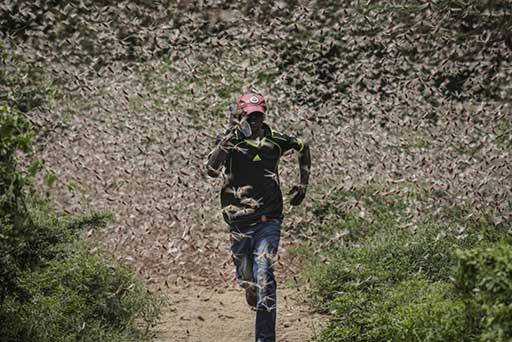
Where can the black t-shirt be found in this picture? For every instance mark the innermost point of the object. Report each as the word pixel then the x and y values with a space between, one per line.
pixel 251 188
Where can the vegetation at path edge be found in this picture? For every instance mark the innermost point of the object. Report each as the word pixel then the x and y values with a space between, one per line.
pixel 382 279
pixel 54 286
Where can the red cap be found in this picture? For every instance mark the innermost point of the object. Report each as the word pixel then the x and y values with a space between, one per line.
pixel 250 103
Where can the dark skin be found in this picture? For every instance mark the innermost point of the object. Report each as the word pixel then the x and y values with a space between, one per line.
pixel 256 120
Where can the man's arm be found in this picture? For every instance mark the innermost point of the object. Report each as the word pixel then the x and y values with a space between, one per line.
pixel 304 165
pixel 218 156
pixel 305 169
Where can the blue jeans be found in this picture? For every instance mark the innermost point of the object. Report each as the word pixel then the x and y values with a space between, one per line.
pixel 254 251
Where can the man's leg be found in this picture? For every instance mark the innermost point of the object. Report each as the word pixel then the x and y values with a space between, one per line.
pixel 266 242
pixel 241 249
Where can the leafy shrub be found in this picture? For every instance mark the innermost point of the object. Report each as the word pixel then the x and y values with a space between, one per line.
pixel 82 297
pixel 379 247
pixel 484 277
pixel 359 213
pixel 18 245
pixel 51 287
pixel 393 281
pixel 386 258
pixel 413 310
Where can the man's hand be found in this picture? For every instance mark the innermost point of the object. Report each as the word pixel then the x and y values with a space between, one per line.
pixel 226 140
pixel 300 193
pixel 234 116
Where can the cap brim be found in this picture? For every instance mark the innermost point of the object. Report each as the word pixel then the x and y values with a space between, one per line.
pixel 252 109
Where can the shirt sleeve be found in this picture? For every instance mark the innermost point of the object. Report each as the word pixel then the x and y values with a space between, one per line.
pixel 287 142
pixel 218 138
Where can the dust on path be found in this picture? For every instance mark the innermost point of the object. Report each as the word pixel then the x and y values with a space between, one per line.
pixel 212 308
pixel 203 314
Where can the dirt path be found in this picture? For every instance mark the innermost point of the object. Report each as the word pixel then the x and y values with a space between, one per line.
pixel 202 310
pixel 169 229
pixel 143 167
pixel 201 313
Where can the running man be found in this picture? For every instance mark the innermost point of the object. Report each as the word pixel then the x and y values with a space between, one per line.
pixel 252 202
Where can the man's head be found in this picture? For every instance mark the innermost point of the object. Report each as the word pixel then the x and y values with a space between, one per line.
pixel 252 106
pixel 249 103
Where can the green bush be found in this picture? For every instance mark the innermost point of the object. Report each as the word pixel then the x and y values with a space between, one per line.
pixel 52 288
pixel 390 281
pixel 484 278
pixel 335 213
pixel 379 249
pixel 19 247
pixel 83 297
pixel 413 310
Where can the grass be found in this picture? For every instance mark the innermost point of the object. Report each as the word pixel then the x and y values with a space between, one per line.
pixel 83 297
pixel 54 286
pixel 382 279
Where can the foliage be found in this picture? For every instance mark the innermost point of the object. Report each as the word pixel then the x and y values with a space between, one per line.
pixel 52 288
pixel 19 247
pixel 484 278
pixel 413 310
pixel 82 297
pixel 383 280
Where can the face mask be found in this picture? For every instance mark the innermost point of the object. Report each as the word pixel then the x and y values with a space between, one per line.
pixel 245 128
